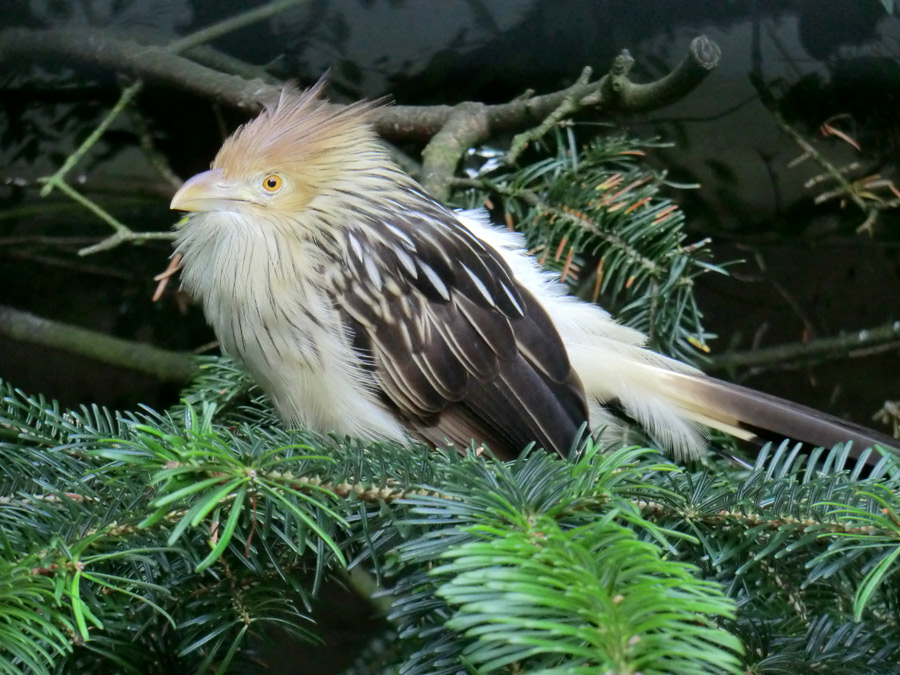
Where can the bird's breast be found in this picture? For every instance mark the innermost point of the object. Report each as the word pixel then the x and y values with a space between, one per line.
pixel 270 304
pixel 262 291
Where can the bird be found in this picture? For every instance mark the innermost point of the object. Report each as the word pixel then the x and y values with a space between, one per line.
pixel 362 306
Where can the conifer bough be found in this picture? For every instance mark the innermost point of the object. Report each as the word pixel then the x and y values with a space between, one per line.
pixel 362 306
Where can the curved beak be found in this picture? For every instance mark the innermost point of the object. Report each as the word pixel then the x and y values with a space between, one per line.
pixel 208 191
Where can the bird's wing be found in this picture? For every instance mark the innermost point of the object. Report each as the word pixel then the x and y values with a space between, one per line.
pixel 455 344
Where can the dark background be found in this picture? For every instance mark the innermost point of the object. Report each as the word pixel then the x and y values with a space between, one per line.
pixel 806 272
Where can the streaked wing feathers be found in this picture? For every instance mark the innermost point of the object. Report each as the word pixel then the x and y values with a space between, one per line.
pixel 458 348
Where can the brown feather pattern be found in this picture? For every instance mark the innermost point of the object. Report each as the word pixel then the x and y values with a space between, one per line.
pixel 458 347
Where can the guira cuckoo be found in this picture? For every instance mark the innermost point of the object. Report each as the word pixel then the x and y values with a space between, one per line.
pixel 363 306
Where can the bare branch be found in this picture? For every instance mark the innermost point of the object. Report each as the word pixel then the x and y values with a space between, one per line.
pixel 139 357
pixel 624 95
pixel 451 130
pixel 801 354
pixel 466 126
pixel 469 124
pixel 96 49
pixel 124 236
pixel 569 105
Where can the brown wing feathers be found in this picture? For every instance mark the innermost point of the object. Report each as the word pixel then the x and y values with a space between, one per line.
pixel 458 347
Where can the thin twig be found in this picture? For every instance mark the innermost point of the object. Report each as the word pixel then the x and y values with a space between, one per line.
pixel 845 187
pixel 58 178
pixel 232 24
pixel 122 237
pixel 90 205
pixel 569 105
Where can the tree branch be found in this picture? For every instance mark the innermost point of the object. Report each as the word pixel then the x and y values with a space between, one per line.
pixel 123 236
pixel 469 124
pixel 801 354
pixel 568 106
pixel 466 126
pixel 702 57
pixel 97 50
pixel 164 365
pixel 451 130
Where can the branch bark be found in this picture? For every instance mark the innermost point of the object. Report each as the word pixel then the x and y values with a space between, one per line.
pixel 802 354
pixel 95 49
pixel 164 365
pixel 466 126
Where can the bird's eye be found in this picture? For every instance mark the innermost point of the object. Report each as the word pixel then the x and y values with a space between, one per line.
pixel 272 183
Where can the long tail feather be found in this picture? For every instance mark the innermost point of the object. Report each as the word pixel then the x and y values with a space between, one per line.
pixel 749 414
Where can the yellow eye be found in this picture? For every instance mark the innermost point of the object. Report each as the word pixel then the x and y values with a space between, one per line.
pixel 272 183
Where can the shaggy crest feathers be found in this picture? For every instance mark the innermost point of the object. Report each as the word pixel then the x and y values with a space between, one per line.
pixel 303 135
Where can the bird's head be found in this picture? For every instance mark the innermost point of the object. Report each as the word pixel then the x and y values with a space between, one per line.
pixel 283 159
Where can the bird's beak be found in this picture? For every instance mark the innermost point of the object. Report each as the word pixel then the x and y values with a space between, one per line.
pixel 208 191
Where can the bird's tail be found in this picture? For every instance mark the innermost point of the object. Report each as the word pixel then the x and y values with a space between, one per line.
pixel 668 397
pixel 750 414
pixel 672 401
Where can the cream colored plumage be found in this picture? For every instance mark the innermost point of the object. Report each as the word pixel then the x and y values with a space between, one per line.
pixel 361 306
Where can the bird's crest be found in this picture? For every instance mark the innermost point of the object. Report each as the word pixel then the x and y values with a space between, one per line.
pixel 301 133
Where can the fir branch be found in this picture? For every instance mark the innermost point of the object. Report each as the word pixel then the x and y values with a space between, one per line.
pixel 594 214
pixel 527 502
pixel 595 596
pixel 792 539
